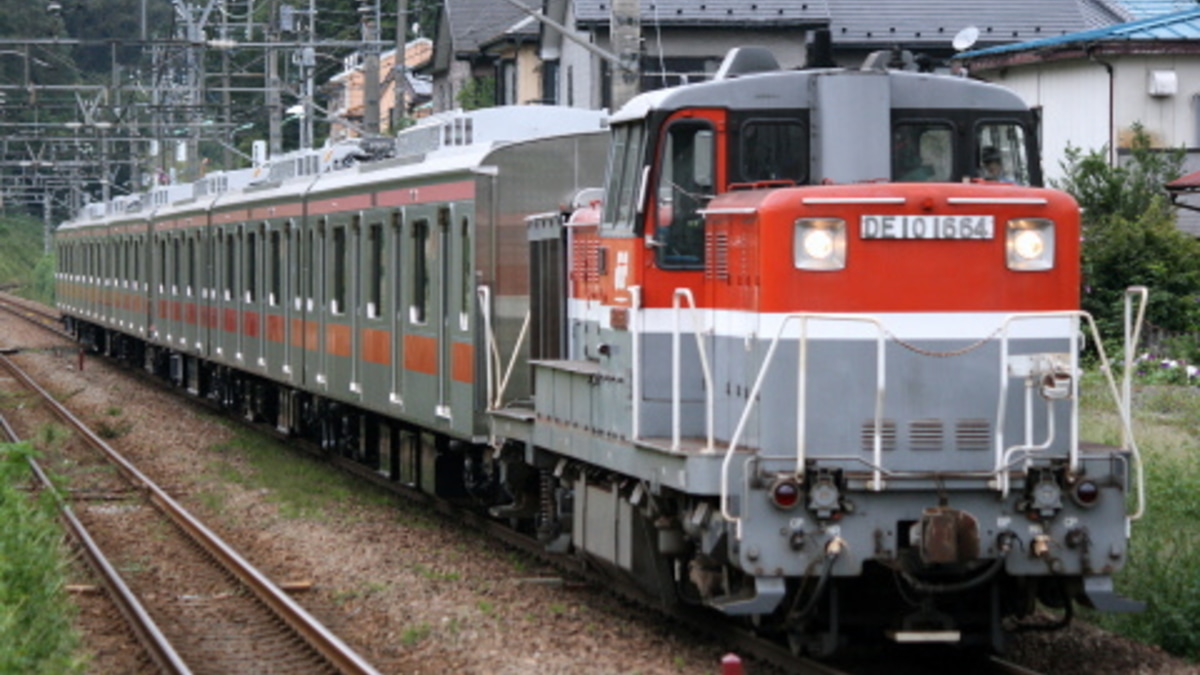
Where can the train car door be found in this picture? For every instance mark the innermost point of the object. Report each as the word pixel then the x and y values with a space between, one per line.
pixel 688 171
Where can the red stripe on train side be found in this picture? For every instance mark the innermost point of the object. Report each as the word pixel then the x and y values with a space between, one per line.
pixel 462 362
pixel 377 346
pixel 275 328
pixel 420 354
pixel 250 323
pixel 422 194
pixel 337 339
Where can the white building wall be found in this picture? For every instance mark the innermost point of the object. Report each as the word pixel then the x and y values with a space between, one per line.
pixel 1171 119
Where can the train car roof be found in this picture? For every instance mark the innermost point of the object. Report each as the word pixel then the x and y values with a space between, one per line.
pixel 790 89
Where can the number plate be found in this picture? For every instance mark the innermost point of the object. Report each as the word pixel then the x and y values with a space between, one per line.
pixel 926 227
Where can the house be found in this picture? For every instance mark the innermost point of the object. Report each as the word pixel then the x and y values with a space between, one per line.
pixel 928 28
pixel 1094 86
pixel 680 41
pixel 347 89
pixel 484 50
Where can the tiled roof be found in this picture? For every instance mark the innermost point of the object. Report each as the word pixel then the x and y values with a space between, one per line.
pixel 1144 9
pixel 938 21
pixel 713 12
pixel 475 22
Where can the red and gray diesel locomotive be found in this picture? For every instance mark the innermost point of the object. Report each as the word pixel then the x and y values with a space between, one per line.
pixel 800 347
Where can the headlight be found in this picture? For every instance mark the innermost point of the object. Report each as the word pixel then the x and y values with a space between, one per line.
pixel 1030 244
pixel 820 244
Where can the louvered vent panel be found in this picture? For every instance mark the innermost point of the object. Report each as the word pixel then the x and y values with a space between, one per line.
pixel 973 434
pixel 926 435
pixel 888 435
pixel 717 256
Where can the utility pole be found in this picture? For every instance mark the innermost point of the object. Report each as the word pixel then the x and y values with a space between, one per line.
pixel 274 109
pixel 370 27
pixel 399 67
pixel 626 32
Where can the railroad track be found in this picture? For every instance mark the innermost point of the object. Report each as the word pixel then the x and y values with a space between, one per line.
pixel 196 604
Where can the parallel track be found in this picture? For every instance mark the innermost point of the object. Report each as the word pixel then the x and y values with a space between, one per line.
pixel 325 651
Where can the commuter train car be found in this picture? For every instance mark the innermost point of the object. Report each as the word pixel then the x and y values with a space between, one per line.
pixel 806 352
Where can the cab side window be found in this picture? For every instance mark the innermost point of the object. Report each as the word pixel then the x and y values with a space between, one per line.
pixel 684 187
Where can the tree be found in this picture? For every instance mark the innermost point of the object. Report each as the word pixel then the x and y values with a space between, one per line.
pixel 1130 237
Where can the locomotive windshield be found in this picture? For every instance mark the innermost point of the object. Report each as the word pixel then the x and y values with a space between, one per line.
pixel 624 176
pixel 934 152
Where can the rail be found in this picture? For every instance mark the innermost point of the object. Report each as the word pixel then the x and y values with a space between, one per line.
pixel 319 637
pixel 1005 456
pixel 157 646
pixel 496 373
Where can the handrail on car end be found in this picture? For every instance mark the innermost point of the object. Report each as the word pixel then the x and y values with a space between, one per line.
pixel 802 384
pixel 1106 368
pixel 1133 335
pixel 492 351
pixel 676 387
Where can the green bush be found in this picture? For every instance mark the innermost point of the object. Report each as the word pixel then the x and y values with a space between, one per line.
pixel 36 632
pixel 1130 237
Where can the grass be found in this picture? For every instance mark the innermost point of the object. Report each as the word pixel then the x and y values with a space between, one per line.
pixel 24 266
pixel 1164 561
pixel 302 486
pixel 36 633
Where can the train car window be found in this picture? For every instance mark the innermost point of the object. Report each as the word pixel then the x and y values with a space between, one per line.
pixel 191 266
pixel 230 265
pixel 177 265
pixel 308 271
pixel 162 265
pixel 624 176
pixel 374 270
pixel 1000 148
pixel 338 304
pixel 468 273
pixel 685 184
pixel 276 271
pixel 251 266
pixel 773 150
pixel 922 152
pixel 420 271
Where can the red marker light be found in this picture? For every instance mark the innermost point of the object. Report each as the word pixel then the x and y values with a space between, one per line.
pixel 785 493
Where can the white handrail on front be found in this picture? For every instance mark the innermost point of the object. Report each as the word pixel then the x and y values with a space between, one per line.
pixel 676 387
pixel 876 483
pixel 1133 334
pixel 1122 403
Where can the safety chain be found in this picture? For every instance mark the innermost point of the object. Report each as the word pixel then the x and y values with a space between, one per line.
pixel 943 355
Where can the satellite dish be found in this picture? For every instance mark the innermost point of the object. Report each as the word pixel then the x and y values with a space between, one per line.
pixel 966 38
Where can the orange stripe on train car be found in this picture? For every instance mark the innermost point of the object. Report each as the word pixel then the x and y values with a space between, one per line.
pixel 420 354
pixel 337 339
pixel 377 346
pixel 250 323
pixel 231 320
pixel 275 328
pixel 462 362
